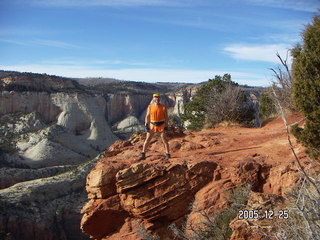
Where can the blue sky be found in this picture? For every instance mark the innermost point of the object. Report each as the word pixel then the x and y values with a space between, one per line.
pixel 151 40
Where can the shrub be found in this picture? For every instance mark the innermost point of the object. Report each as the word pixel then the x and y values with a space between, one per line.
pixel 145 234
pixel 173 120
pixel 220 99
pixel 229 105
pixel 304 212
pixel 267 107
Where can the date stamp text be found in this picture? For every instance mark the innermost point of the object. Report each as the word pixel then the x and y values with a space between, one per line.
pixel 267 214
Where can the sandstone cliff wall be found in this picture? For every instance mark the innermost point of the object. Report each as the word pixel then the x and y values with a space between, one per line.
pixel 27 102
pixel 119 106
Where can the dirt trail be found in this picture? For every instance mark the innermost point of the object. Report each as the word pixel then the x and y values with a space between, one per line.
pixel 227 144
pixel 230 145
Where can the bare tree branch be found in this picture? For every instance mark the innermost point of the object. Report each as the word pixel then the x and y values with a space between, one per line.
pixel 290 143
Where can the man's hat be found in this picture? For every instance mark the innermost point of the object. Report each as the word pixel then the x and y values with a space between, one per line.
pixel 156 95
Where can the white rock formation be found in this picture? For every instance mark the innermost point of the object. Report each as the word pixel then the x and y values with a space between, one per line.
pixel 80 129
pixel 130 124
pixel 84 116
pixel 49 153
pixel 179 106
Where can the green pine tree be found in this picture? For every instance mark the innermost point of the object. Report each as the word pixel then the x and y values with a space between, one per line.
pixel 306 86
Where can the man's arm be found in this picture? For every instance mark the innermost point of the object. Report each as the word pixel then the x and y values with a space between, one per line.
pixel 147 118
pixel 166 118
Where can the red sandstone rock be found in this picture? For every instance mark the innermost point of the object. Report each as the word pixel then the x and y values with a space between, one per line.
pixel 102 179
pixel 154 193
pixel 102 217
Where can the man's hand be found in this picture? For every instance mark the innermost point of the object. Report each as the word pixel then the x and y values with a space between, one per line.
pixel 147 127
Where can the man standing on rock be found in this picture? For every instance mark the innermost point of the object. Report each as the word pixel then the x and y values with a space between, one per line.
pixel 156 121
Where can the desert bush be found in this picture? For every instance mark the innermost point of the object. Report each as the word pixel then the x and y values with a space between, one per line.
pixel 145 234
pixel 196 110
pixel 304 221
pixel 229 105
pixel 174 121
pixel 304 211
pixel 216 226
pixel 220 99
pixel 267 105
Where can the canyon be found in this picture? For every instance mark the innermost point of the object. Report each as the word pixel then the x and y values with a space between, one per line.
pixel 61 141
pixel 76 123
pixel 52 132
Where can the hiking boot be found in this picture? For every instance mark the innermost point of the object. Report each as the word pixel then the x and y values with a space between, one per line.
pixel 167 156
pixel 142 156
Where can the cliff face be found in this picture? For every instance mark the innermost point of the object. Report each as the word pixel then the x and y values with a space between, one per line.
pixel 75 126
pixel 27 102
pixel 180 98
pixel 128 199
pixel 76 122
pixel 120 106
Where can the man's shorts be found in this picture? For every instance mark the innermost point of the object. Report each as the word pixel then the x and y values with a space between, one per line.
pixel 157 127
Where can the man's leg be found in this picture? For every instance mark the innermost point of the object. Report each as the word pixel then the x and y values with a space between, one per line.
pixel 146 143
pixel 166 144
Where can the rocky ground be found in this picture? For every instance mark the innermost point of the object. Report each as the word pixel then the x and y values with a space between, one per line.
pixel 127 195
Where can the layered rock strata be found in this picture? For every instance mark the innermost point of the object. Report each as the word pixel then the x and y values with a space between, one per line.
pixel 156 193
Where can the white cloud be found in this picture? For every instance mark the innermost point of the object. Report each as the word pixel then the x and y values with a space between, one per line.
pixel 292 38
pixel 43 42
pixel 113 3
pixel 300 5
pixel 11 41
pixel 53 43
pixel 104 63
pixel 265 53
pixel 139 74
